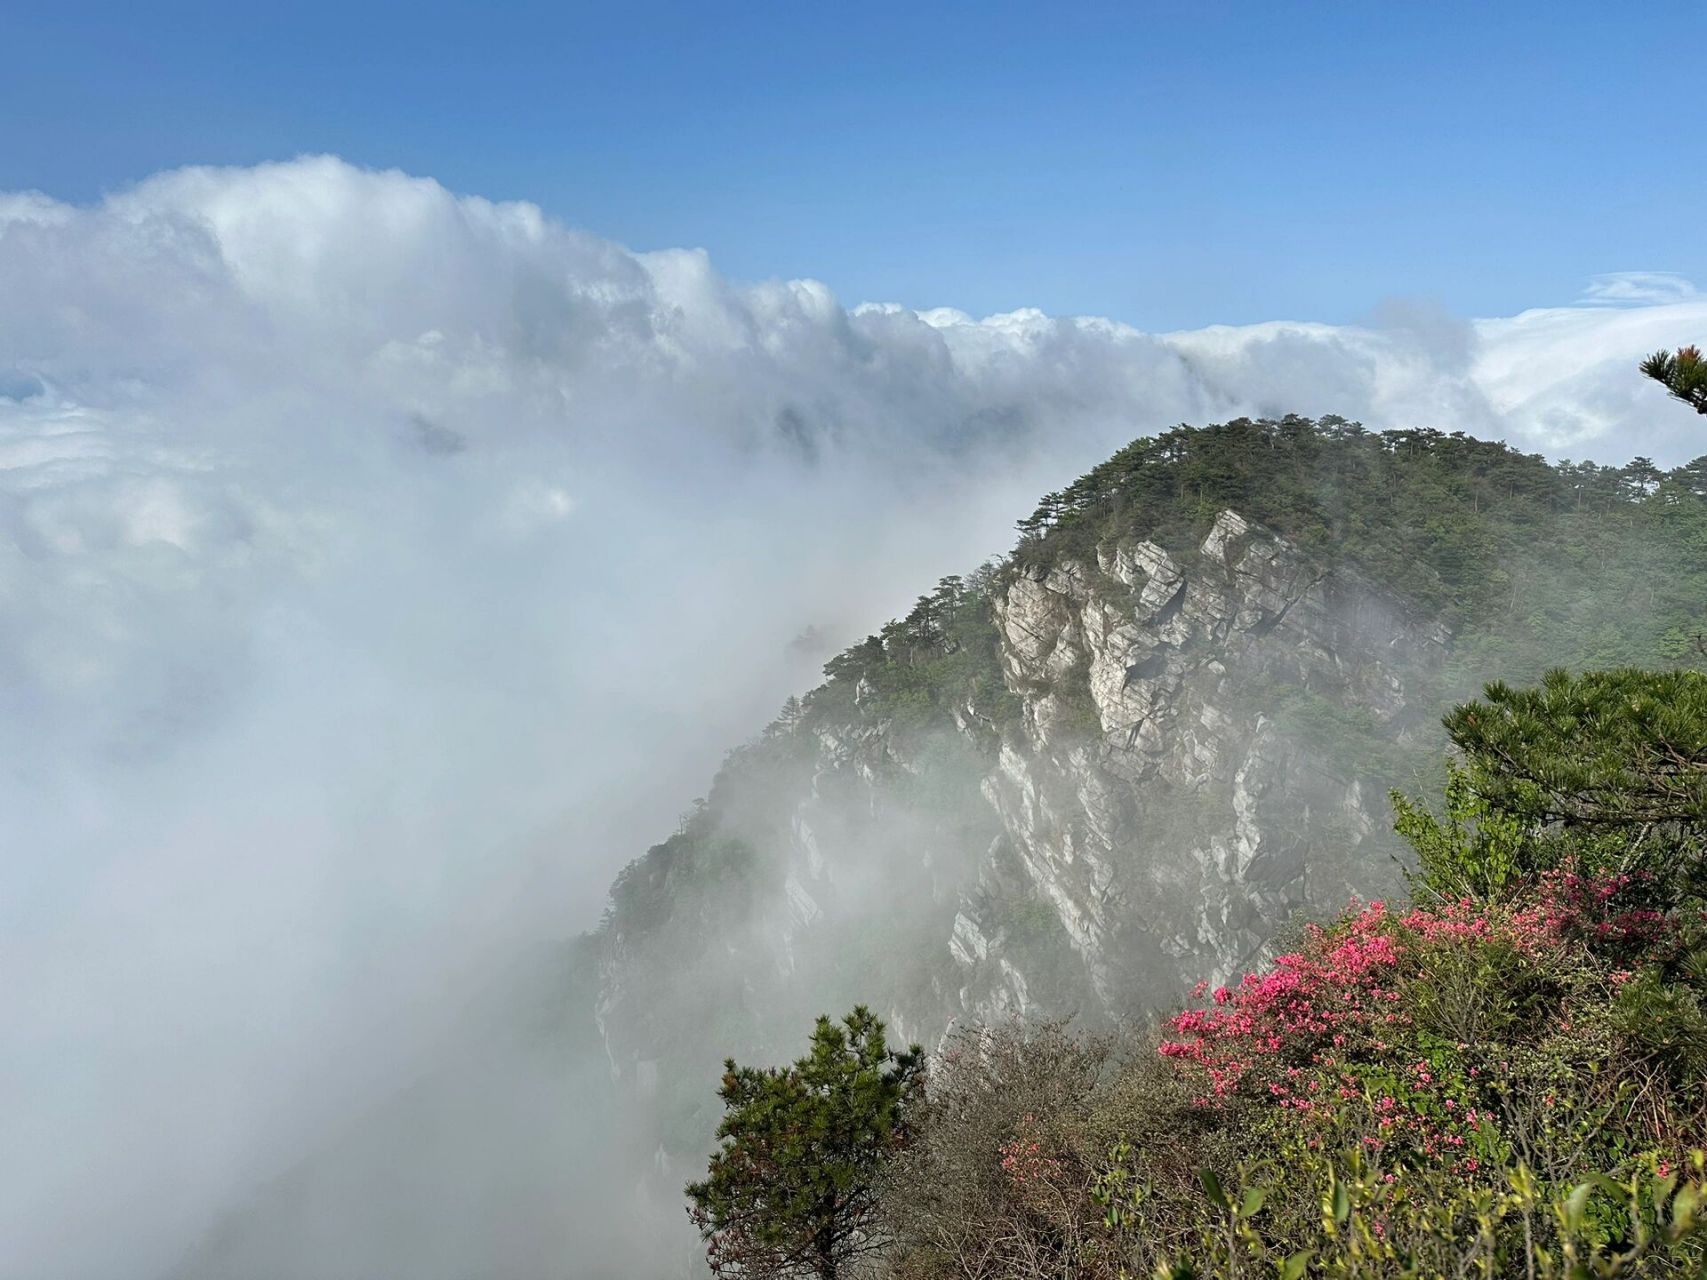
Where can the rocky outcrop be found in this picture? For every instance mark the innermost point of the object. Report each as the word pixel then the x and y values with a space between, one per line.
pixel 1155 793
pixel 1194 745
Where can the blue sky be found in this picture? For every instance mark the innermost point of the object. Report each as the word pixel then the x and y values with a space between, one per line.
pixel 1170 165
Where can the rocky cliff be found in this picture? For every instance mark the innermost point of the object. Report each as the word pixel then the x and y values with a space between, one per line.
pixel 1176 838
pixel 1136 808
pixel 1078 781
pixel 1119 761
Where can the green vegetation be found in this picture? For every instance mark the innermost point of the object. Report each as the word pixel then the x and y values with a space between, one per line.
pixel 1682 373
pixel 1505 1077
pixel 792 1189
pixel 1527 563
pixel 1487 539
pixel 1610 748
pixel 725 937
pixel 920 669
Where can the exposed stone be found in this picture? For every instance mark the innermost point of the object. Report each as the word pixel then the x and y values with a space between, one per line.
pixel 1148 812
pixel 967 943
pixel 1154 662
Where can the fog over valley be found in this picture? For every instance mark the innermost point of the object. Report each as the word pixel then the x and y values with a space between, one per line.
pixel 383 568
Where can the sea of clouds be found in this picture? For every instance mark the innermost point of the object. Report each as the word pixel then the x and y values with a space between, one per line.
pixel 381 567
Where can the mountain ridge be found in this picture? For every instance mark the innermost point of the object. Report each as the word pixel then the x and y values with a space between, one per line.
pixel 1120 759
pixel 1071 783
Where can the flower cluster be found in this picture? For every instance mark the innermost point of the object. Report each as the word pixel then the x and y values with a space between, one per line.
pixel 1329 1036
pixel 1341 990
pixel 1339 986
pixel 1605 911
pixel 1025 1160
pixel 1530 931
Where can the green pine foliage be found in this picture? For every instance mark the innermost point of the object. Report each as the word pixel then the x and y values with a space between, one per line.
pixel 792 1189
pixel 1605 748
pixel 1682 373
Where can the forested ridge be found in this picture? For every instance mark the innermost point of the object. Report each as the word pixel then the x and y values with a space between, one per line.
pixel 1523 560
pixel 1529 564
pixel 1518 565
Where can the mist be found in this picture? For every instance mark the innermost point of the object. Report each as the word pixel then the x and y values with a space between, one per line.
pixel 383 568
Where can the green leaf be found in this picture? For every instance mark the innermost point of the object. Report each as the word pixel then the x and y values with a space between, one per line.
pixel 1686 1207
pixel 1576 1204
pixel 1212 1189
pixel 1662 1189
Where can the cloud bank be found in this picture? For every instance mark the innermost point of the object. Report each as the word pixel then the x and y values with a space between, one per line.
pixel 381 567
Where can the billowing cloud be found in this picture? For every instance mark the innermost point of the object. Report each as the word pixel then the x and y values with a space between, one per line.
pixel 380 567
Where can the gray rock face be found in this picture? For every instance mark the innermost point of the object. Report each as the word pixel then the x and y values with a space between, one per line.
pixel 1170 781
pixel 1172 822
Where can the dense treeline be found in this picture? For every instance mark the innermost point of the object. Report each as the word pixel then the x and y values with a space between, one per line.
pixel 1469 530
pixel 1528 563
pixel 1505 1076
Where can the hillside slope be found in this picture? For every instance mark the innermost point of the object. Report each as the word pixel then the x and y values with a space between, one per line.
pixel 1074 782
pixel 1117 761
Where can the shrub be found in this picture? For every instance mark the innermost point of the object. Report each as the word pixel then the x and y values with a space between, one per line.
pixel 996 1182
pixel 1508 1076
pixel 1376 1225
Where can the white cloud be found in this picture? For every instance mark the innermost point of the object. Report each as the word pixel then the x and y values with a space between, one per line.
pixel 1641 287
pixel 356 537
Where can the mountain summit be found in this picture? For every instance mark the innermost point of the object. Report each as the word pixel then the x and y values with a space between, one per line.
pixel 1119 760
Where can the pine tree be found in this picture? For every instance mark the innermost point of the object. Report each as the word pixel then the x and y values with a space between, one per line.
pixel 1623 748
pixel 791 1191
pixel 1683 374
